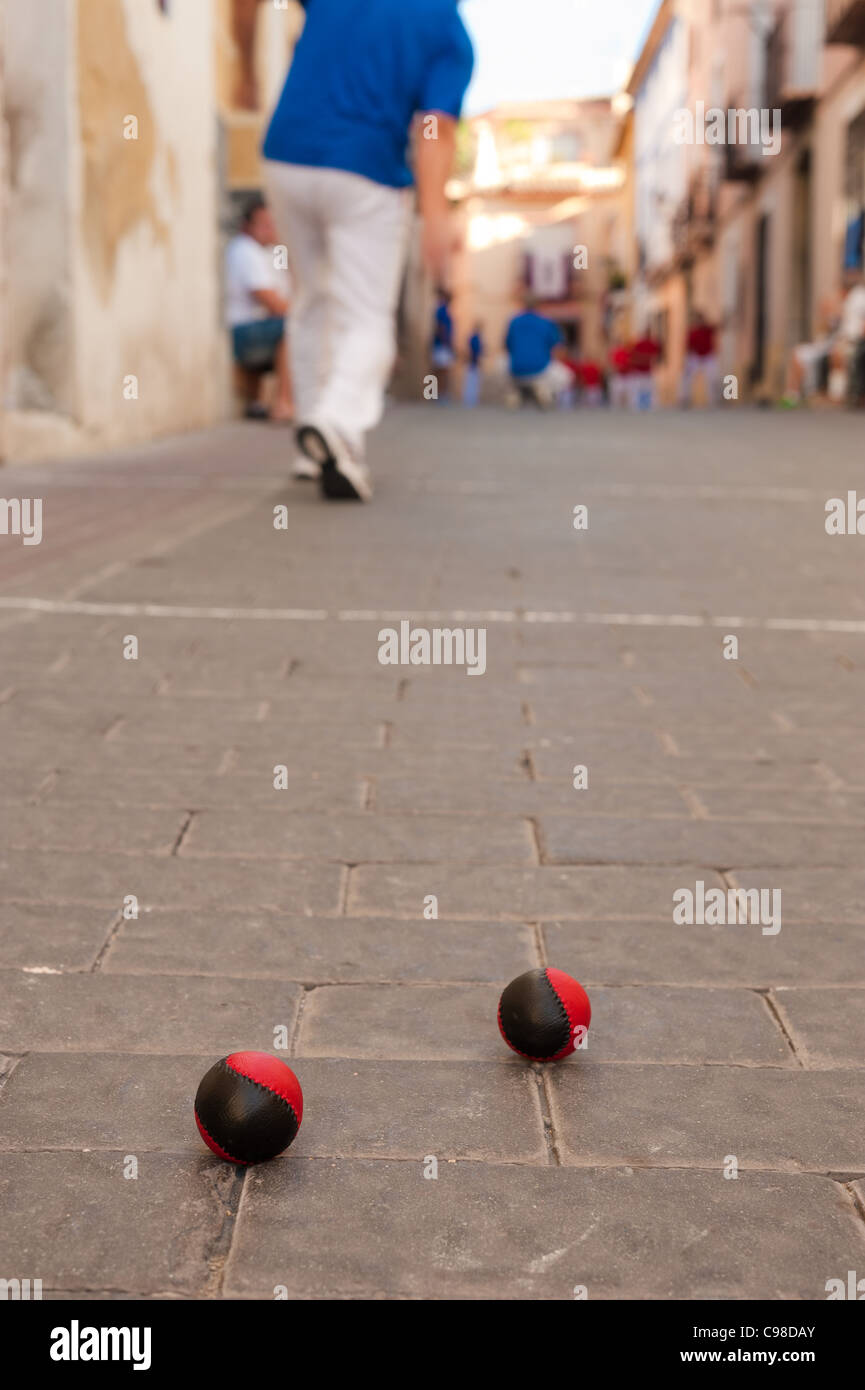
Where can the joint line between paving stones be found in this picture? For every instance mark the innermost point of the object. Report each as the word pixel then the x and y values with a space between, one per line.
pixel 858 1204
pixel 182 833
pixel 306 991
pixel 775 1011
pixel 219 1248
pixel 114 928
pixel 554 1159
pixel 345 884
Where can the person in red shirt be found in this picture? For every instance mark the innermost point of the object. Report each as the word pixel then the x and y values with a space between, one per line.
pixel 620 370
pixel 591 382
pixel 701 359
pixel 644 353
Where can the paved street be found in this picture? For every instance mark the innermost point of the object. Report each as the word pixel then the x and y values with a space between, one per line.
pixel 293 920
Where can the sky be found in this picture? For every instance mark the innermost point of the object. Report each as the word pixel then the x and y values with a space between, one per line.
pixel 534 49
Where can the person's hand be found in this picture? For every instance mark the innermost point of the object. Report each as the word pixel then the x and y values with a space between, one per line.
pixel 438 243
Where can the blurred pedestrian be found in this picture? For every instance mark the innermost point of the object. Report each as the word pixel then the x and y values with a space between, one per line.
pixel 618 379
pixel 591 380
pixel 643 355
pixel 701 359
pixel 442 353
pixel 256 303
pixel 810 367
pixel 474 361
pixel 339 181
pixel 530 343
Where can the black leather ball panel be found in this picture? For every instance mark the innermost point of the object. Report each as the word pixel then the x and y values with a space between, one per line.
pixel 532 1016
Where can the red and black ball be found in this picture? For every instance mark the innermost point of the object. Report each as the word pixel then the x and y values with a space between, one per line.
pixel 541 1014
pixel 248 1107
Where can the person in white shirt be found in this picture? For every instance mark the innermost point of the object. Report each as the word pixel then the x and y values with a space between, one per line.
pixel 256 303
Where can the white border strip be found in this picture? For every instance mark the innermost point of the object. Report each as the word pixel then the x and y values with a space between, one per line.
pixel 369 615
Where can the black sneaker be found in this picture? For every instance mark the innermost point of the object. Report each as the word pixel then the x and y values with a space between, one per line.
pixel 343 477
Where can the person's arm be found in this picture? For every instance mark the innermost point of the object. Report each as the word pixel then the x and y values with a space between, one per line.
pixel 434 158
pixel 272 301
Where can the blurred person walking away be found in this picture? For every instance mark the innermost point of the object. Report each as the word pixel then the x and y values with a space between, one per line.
pixel 618 379
pixel 701 359
pixel 530 343
pixel 256 304
pixel 474 359
pixel 340 187
pixel 643 355
pixel 443 355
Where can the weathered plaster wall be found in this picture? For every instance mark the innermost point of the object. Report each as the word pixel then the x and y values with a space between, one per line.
pixel 39 387
pixel 147 272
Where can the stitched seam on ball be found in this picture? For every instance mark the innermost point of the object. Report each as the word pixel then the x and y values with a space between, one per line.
pixel 221 1147
pixel 561 1003
pixel 241 1076
pixel 571 1024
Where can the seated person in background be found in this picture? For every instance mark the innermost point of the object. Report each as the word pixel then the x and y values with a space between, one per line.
pixel 809 368
pixel 256 306
pixel 530 343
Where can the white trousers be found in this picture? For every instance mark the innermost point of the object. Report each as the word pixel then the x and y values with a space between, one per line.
pixel 346 238
pixel 694 367
pixel 641 387
pixel 620 391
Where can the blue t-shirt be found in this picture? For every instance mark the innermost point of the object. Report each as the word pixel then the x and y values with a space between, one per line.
pixel 530 343
pixel 476 349
pixel 443 330
pixel 361 71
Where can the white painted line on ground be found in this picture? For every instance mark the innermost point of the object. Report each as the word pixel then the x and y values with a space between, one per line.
pixel 371 615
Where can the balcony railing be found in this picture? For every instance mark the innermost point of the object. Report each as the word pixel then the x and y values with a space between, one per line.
pixel 845 22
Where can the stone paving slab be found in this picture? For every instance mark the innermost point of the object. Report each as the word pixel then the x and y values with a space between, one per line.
pixel 696 1116
pixel 458 1022
pixel 93 827
pixel 517 894
pixel 361 838
pixel 88 1013
pixel 536 1233
pixel 617 840
pixel 502 797
pixel 828 1025
pixel 62 937
pixel 196 790
pixel 319 949
pixel 105 880
pixel 811 894
pixel 141 1104
pixel 812 805
pixel 77 1223
pixel 625 952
